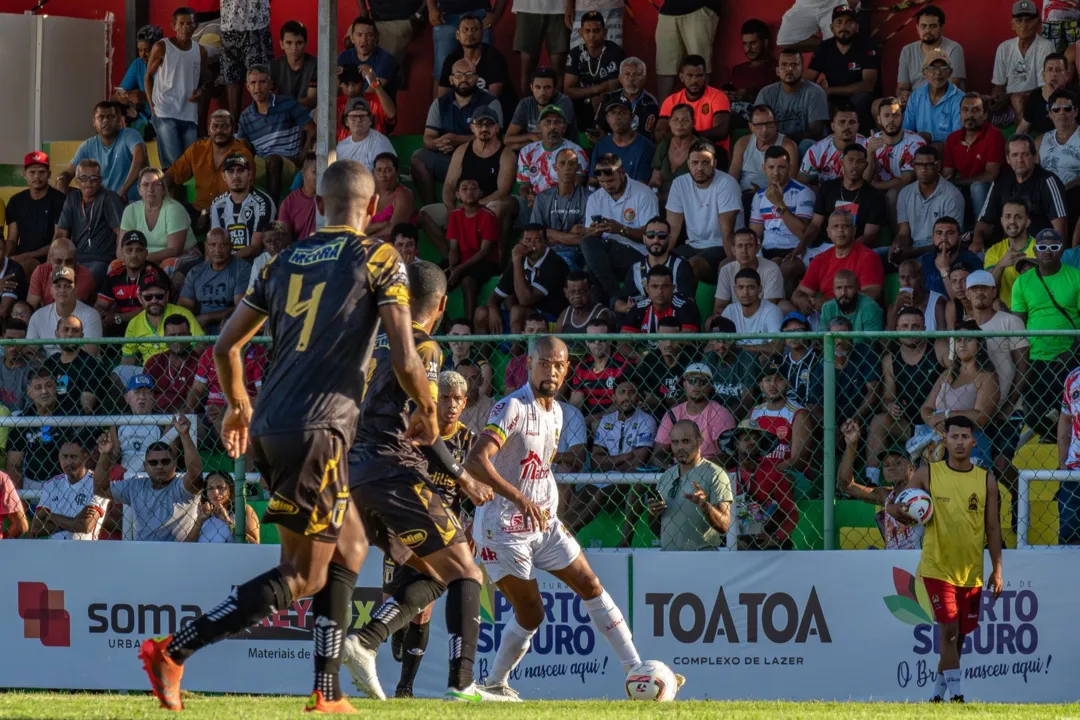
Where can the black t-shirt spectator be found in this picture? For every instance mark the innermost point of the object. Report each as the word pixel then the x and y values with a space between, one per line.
pixel 548 276
pixel 643 317
pixel 662 380
pixel 867 205
pixel 1037 113
pixel 646 112
pixel 593 71
pixel 1043 193
pixel 294 83
pixel 40 447
pixel 123 290
pixel 491 70
pixel 842 69
pixel 36 219
pixel 685 7
pixel 390 10
pixel 83 374
pixel 636 275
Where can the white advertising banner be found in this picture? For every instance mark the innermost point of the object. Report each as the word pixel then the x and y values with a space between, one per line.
pixel 850 625
pixel 74 614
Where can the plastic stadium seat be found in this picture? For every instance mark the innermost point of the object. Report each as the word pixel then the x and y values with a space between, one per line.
pixel 859 538
pixel 605 531
pixel 809 533
pixel 704 298
pixel 61 151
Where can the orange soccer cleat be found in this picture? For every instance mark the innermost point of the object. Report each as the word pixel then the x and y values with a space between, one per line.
pixel 317 703
pixel 164 674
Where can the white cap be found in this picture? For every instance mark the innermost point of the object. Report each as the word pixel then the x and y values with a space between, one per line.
pixel 981 278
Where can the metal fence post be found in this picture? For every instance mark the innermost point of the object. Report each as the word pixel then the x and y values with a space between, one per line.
pixel 829 441
pixel 240 500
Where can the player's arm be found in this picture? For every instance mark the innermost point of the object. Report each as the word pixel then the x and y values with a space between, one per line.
pixel 410 371
pixel 441 460
pixel 478 464
pixel 234 337
pixel 899 511
pixel 993 535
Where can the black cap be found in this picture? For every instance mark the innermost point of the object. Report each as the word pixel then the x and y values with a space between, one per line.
pixel 843 10
pixel 357 103
pixel 133 236
pixel 722 325
pixel 770 369
pixel 350 74
pixel 236 160
pixel 618 102
pixel 153 280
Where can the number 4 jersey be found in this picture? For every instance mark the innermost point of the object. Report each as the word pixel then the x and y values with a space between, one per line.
pixel 322 296
pixel 528 437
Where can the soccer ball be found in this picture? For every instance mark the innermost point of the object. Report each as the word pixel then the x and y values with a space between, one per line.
pixel 919 504
pixel 652 680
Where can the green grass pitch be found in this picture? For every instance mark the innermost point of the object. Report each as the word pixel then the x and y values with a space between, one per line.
pixel 85 706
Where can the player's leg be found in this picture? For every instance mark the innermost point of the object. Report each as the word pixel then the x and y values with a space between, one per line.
pixel 332 609
pixel 523 594
pixel 561 555
pixel 413 646
pixel 943 598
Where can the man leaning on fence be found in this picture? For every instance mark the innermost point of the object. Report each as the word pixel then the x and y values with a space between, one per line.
pixel 690 508
pixel 164 501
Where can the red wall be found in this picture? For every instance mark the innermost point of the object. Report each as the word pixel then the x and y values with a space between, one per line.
pixel 978 26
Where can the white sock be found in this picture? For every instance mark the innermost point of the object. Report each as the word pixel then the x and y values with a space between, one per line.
pixel 940 688
pixel 952 680
pixel 608 619
pixel 512 648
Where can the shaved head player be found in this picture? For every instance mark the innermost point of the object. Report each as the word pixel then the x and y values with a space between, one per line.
pixel 518 532
pixel 965 520
pixel 324 297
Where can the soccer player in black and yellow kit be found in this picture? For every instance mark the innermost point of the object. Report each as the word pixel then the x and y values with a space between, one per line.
pixel 325 297
pixel 965 521
pixel 405 513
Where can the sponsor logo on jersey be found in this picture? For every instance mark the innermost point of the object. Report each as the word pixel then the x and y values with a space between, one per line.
pixel 533 467
pixel 412 538
pixel 281 506
pixel 323 253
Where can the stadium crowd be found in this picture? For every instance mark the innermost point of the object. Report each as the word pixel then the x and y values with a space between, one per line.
pixel 572 200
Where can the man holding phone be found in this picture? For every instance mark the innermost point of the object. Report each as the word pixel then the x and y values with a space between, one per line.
pixel 690 508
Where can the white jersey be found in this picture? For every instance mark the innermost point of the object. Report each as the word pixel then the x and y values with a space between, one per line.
pixel 1062 159
pixel 892 161
pixel 528 438
pixel 821 162
pixel 62 497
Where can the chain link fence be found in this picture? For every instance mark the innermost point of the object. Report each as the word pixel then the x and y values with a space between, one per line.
pixel 802 437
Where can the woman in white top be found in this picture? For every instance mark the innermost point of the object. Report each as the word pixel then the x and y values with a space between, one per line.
pixel 164 221
pixel 214 521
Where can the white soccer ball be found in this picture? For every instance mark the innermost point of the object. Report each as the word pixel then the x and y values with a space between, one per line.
pixel 920 506
pixel 651 680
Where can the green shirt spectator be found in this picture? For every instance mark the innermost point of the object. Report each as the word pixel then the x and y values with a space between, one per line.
pixel 1036 306
pixel 865 315
pixel 682 524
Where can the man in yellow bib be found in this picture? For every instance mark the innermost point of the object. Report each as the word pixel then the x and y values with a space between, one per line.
pixel 965 520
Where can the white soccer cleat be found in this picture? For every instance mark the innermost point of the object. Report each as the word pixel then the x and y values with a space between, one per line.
pixel 361 664
pixel 680 680
pixel 498 692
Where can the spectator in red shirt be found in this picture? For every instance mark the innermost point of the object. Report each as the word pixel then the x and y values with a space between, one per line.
pixel 206 389
pixel 61 252
pixel 352 83
pixel 473 233
pixel 173 371
pixel 598 374
pixel 297 210
pixel 816 287
pixel 974 154
pixel 748 78
pixel 765 512
pixel 12 517
pixel 517 370
pixel 118 298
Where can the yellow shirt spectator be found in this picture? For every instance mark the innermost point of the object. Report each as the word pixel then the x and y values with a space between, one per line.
pixel 140 327
pixel 1005 276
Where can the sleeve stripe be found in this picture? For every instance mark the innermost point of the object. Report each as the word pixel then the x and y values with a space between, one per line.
pixel 1055 196
pixel 256 308
pixel 496 433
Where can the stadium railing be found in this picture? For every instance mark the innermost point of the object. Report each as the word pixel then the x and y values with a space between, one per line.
pixel 794 502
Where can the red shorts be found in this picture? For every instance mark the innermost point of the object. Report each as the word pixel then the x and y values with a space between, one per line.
pixel 954 604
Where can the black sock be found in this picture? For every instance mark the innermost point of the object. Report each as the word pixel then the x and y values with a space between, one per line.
pixel 332 609
pixel 463 625
pixel 246 605
pixel 413 648
pixel 395 613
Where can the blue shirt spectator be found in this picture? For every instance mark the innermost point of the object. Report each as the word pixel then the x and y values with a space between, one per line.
pixel 115 159
pixel 636 157
pixel 929 118
pixel 135 79
pixel 277 132
pixel 381 62
pixel 933 278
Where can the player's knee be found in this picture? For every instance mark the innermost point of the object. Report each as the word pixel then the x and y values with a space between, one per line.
pixel 529 617
pixel 304 582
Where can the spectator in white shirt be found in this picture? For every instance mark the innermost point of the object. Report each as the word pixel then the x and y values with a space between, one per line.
pixel 747 245
pixel 752 315
pixel 365 143
pixel 69 509
pixel 43 322
pixel 708 203
pixel 780 214
pixel 624 437
pixel 1018 63
pixel 615 218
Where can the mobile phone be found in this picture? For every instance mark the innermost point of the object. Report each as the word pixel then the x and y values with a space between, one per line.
pixel 597 219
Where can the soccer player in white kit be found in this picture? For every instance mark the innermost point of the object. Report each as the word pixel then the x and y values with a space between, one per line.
pixel 519 533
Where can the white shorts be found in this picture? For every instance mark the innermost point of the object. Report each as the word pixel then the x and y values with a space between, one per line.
pixel 554 550
pixel 803 20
